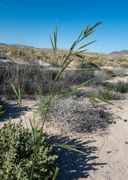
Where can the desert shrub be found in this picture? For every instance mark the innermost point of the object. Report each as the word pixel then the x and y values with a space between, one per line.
pixel 32 51
pixel 1 107
pixel 124 65
pixel 90 58
pixel 73 115
pixel 108 95
pixel 77 77
pixel 121 59
pixel 120 86
pixel 88 65
pixel 17 150
pixel 109 73
pixel 100 62
pixel 54 63
pixel 119 71
pixel 16 53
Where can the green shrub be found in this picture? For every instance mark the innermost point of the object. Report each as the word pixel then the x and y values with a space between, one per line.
pixel 124 65
pixel 109 73
pixel 16 53
pixel 121 59
pixel 17 152
pixel 88 65
pixel 120 86
pixel 108 95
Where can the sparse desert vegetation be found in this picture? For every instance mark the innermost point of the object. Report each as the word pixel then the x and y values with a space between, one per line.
pixel 61 92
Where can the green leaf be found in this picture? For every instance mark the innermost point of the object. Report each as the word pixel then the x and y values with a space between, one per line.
pixel 31 126
pixel 63 69
pixel 119 117
pixel 86 29
pixel 85 35
pixel 19 95
pixel 86 44
pixel 87 69
pixel 99 98
pixel 72 92
pixel 78 55
pixel 69 147
pixel 73 45
pixel 80 35
pixel 56 36
pixel 52 44
pixel 66 58
pixel 83 84
pixel 91 98
pixel 15 90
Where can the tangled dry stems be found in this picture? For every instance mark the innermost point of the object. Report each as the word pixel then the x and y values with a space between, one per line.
pixel 77 115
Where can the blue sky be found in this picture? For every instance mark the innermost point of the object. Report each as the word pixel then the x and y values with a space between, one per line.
pixel 30 23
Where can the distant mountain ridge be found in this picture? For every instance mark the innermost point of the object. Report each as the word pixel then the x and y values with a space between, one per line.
pixel 17 45
pixel 123 52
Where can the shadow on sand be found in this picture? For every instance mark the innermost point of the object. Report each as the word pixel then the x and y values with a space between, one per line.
pixel 74 165
pixel 13 111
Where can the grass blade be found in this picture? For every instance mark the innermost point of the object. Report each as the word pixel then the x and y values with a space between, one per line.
pixel 66 58
pixel 73 45
pixel 31 126
pixel 56 173
pixel 99 98
pixel 91 98
pixel 80 35
pixel 15 90
pixel 87 69
pixel 69 147
pixel 87 44
pixel 72 92
pixel 52 44
pixel 19 95
pixel 62 69
pixel 83 84
pixel 78 55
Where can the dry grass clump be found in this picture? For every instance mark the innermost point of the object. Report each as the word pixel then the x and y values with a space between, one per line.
pixel 109 95
pixel 30 78
pixel 120 86
pixel 16 53
pixel 75 115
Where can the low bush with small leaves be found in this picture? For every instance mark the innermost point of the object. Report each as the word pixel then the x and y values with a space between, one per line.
pixel 17 149
pixel 120 86
pixel 108 95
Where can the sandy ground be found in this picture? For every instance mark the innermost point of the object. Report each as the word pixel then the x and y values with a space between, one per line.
pixel 106 154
